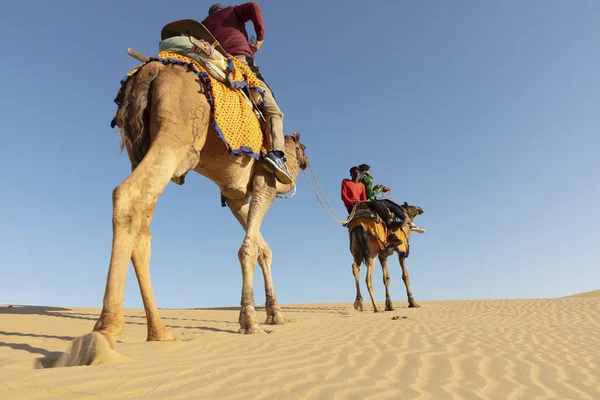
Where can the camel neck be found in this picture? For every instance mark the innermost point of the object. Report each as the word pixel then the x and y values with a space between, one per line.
pixel 292 159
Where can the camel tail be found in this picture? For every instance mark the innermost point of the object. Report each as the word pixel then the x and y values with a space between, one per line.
pixel 133 116
pixel 358 245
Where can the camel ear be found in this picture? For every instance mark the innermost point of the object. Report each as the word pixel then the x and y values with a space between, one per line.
pixel 296 137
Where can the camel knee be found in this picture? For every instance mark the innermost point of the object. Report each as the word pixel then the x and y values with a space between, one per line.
pixel 124 210
pixel 128 207
pixel 249 251
pixel 264 253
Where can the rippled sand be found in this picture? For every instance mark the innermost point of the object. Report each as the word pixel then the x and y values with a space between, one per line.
pixel 493 349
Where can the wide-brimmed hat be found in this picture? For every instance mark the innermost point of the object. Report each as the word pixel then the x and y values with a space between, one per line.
pixel 190 27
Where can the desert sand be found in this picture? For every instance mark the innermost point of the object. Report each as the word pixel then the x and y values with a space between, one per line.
pixel 481 349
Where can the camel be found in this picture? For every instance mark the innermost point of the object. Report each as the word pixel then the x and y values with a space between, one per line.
pixel 164 121
pixel 364 247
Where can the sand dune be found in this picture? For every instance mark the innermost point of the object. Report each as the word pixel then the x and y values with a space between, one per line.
pixel 593 293
pixel 496 349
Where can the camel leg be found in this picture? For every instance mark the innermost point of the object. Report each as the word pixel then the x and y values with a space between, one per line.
pixel 386 281
pixel 239 208
pixel 141 263
pixel 358 303
pixel 358 253
pixel 131 199
pixel 411 301
pixel 263 195
pixel 265 260
pixel 370 265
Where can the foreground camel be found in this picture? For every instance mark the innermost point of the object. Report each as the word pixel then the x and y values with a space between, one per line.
pixel 164 122
pixel 364 247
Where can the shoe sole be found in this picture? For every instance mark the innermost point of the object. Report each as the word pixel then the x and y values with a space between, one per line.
pixel 418 230
pixel 280 175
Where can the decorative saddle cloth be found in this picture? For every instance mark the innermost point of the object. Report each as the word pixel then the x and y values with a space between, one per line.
pixel 374 226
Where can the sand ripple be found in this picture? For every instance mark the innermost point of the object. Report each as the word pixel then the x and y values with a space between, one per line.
pixel 500 349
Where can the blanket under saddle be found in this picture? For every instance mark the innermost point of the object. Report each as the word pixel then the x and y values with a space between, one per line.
pixel 374 226
pixel 232 117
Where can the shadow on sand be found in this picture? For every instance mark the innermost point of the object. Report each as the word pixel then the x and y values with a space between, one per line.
pixel 91 348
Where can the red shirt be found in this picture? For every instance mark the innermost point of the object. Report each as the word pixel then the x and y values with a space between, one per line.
pixel 352 192
pixel 228 26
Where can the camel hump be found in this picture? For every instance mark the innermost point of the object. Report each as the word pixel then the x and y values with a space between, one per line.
pixel 191 27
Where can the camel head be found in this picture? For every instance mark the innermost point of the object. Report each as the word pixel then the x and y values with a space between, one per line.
pixel 300 154
pixel 412 211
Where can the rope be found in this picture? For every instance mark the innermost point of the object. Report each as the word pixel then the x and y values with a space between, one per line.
pixel 321 190
pixel 331 213
pixel 280 196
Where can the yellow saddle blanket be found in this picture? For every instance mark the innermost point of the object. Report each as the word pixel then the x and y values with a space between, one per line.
pixel 380 231
pixel 232 118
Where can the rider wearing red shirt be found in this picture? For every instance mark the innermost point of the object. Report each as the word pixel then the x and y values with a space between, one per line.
pixel 354 191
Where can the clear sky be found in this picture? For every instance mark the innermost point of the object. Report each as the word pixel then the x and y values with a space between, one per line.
pixel 484 113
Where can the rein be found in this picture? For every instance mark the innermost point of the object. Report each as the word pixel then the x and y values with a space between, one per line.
pixel 330 210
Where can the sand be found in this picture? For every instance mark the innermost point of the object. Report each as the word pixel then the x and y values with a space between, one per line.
pixel 493 349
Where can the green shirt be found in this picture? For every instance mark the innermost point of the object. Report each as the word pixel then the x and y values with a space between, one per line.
pixel 368 182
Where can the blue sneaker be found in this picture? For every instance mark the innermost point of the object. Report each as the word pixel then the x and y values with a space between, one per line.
pixel 276 165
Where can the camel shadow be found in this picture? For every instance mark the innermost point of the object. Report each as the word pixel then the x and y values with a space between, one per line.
pixel 315 309
pixel 236 308
pixel 35 335
pixel 29 310
pixel 47 360
pixel 63 312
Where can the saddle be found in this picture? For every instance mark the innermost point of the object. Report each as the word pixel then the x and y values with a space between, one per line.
pixel 374 225
pixel 192 39
pixel 361 210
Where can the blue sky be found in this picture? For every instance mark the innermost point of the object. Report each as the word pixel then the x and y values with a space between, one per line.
pixel 483 113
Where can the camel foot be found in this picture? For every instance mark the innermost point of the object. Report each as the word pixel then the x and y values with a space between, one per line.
pixel 413 304
pixel 275 318
pixel 253 330
pixel 164 336
pixel 110 337
pixel 376 310
pixel 358 305
pixel 388 305
pixel 90 349
pixel 249 322
pixel 110 326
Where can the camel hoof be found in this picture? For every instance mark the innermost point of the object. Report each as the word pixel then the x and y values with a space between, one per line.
pixel 358 306
pixel 248 321
pixel 90 349
pixel 253 330
pixel 389 306
pixel 275 319
pixel 413 305
pixel 162 338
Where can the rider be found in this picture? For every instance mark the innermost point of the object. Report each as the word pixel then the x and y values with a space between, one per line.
pixel 228 26
pixel 373 191
pixel 354 191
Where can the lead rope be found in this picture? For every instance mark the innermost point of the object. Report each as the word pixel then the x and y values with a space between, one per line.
pixel 331 212
pixel 280 196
